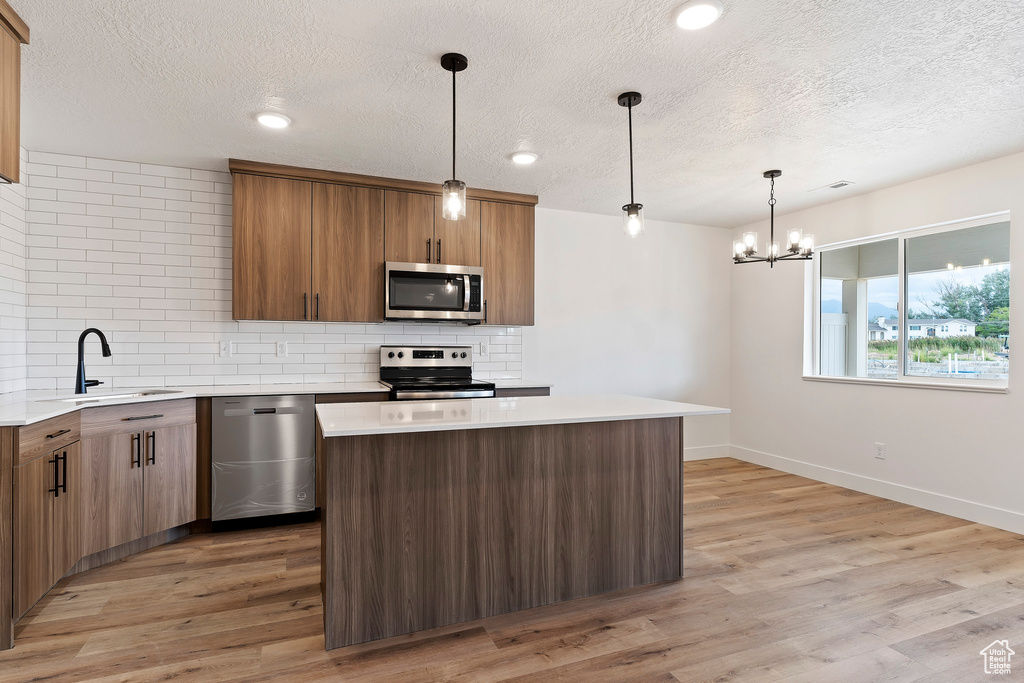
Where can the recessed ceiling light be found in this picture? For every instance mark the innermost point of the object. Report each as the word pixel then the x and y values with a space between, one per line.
pixel 698 14
pixel 524 158
pixel 272 120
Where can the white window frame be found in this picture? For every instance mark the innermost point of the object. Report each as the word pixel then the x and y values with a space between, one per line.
pixel 812 310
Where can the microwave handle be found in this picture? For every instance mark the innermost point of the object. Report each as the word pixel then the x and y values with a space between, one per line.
pixel 465 289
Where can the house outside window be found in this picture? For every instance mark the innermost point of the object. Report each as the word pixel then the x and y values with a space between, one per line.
pixel 947 285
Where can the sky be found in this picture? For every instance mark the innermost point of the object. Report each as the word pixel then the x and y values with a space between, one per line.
pixel 920 286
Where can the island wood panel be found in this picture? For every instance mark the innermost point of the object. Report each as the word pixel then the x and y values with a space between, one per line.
pixel 42 438
pixel 10 106
pixel 426 529
pixel 369 397
pixel 8 450
pixel 348 254
pixel 67 514
pixel 33 514
pixel 457 243
pixel 408 227
pixel 506 254
pixel 112 492
pixel 272 250
pixel 170 478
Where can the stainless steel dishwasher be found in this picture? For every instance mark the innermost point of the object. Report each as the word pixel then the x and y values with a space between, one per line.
pixel 264 456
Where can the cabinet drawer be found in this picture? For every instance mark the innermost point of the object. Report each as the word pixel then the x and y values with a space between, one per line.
pixel 137 417
pixel 42 438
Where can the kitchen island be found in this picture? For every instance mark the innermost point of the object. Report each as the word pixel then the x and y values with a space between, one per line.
pixel 442 512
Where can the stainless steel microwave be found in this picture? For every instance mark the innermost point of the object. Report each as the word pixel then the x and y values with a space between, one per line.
pixel 424 291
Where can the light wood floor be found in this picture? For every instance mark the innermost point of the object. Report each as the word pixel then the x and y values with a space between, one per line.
pixel 786 579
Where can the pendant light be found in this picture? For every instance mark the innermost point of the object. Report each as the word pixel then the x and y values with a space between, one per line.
pixel 798 245
pixel 453 192
pixel 632 213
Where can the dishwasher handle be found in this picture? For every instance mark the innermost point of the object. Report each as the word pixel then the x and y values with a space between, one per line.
pixel 264 411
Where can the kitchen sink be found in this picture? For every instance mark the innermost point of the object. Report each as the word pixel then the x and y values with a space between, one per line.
pixel 101 398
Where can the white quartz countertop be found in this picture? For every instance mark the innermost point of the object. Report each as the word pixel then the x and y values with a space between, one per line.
pixel 355 419
pixel 27 407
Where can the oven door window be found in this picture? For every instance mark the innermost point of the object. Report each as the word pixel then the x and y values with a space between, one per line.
pixel 426 292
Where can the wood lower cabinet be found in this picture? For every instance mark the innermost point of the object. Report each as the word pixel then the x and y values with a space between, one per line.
pixel 169 473
pixel 409 227
pixel 348 254
pixel 506 254
pixel 138 471
pixel 272 248
pixel 457 243
pixel 111 491
pixel 46 524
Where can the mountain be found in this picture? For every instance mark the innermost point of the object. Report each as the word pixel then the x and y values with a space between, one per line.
pixel 875 309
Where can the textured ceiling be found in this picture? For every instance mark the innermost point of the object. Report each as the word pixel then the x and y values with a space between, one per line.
pixel 873 91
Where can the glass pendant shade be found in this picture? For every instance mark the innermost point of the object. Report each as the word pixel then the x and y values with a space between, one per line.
pixel 633 220
pixel 749 243
pixel 794 240
pixel 807 245
pixel 738 249
pixel 453 192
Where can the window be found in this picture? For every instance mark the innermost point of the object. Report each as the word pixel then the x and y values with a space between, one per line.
pixel 947 285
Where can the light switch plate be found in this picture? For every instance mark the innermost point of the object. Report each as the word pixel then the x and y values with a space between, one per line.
pixel 225 349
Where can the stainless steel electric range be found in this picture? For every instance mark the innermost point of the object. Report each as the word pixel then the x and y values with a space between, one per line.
pixel 431 373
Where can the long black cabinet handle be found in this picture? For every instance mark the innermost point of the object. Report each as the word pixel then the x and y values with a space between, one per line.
pixel 141 417
pixel 485 310
pixel 438 249
pixel 137 445
pixel 56 472
pixel 428 250
pixel 64 476
pixel 151 460
pixel 305 306
pixel 56 434
pixel 317 316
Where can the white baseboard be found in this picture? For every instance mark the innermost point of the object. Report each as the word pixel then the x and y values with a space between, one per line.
pixel 706 452
pixel 937 502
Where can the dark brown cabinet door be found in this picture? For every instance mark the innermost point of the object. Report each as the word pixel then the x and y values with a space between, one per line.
pixel 10 106
pixel 506 240
pixel 67 512
pixel 170 478
pixel 457 243
pixel 348 253
pixel 271 248
pixel 33 526
pixel 408 227
pixel 111 504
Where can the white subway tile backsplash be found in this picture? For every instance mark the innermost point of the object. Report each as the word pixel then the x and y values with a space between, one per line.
pixel 143 251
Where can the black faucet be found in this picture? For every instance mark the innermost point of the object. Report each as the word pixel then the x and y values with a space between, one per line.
pixel 81 383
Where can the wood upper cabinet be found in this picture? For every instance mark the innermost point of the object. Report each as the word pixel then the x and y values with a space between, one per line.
pixel 47 535
pixel 13 33
pixel 457 243
pixel 170 478
pixel 408 227
pixel 506 254
pixel 348 253
pixel 271 248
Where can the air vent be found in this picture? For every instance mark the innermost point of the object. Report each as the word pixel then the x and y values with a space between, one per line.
pixel 838 185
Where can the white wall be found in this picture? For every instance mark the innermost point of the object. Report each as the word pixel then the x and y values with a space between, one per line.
pixel 143 252
pixel 955 452
pixel 648 317
pixel 13 298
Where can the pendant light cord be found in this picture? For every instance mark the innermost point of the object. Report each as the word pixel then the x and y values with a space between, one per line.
pixel 453 123
pixel 630 108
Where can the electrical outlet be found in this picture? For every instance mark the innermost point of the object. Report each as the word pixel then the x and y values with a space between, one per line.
pixel 282 348
pixel 880 450
pixel 225 349
pixel 483 349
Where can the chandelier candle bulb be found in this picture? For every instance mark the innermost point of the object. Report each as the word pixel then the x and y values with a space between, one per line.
pixel 794 240
pixel 738 249
pixel 807 245
pixel 750 242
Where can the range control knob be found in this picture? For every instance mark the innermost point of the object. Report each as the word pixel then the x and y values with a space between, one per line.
pixel 455 354
pixel 391 354
pixel 401 354
pixel 463 354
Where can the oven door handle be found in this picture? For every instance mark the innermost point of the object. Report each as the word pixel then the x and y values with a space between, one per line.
pixel 465 289
pixel 474 393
